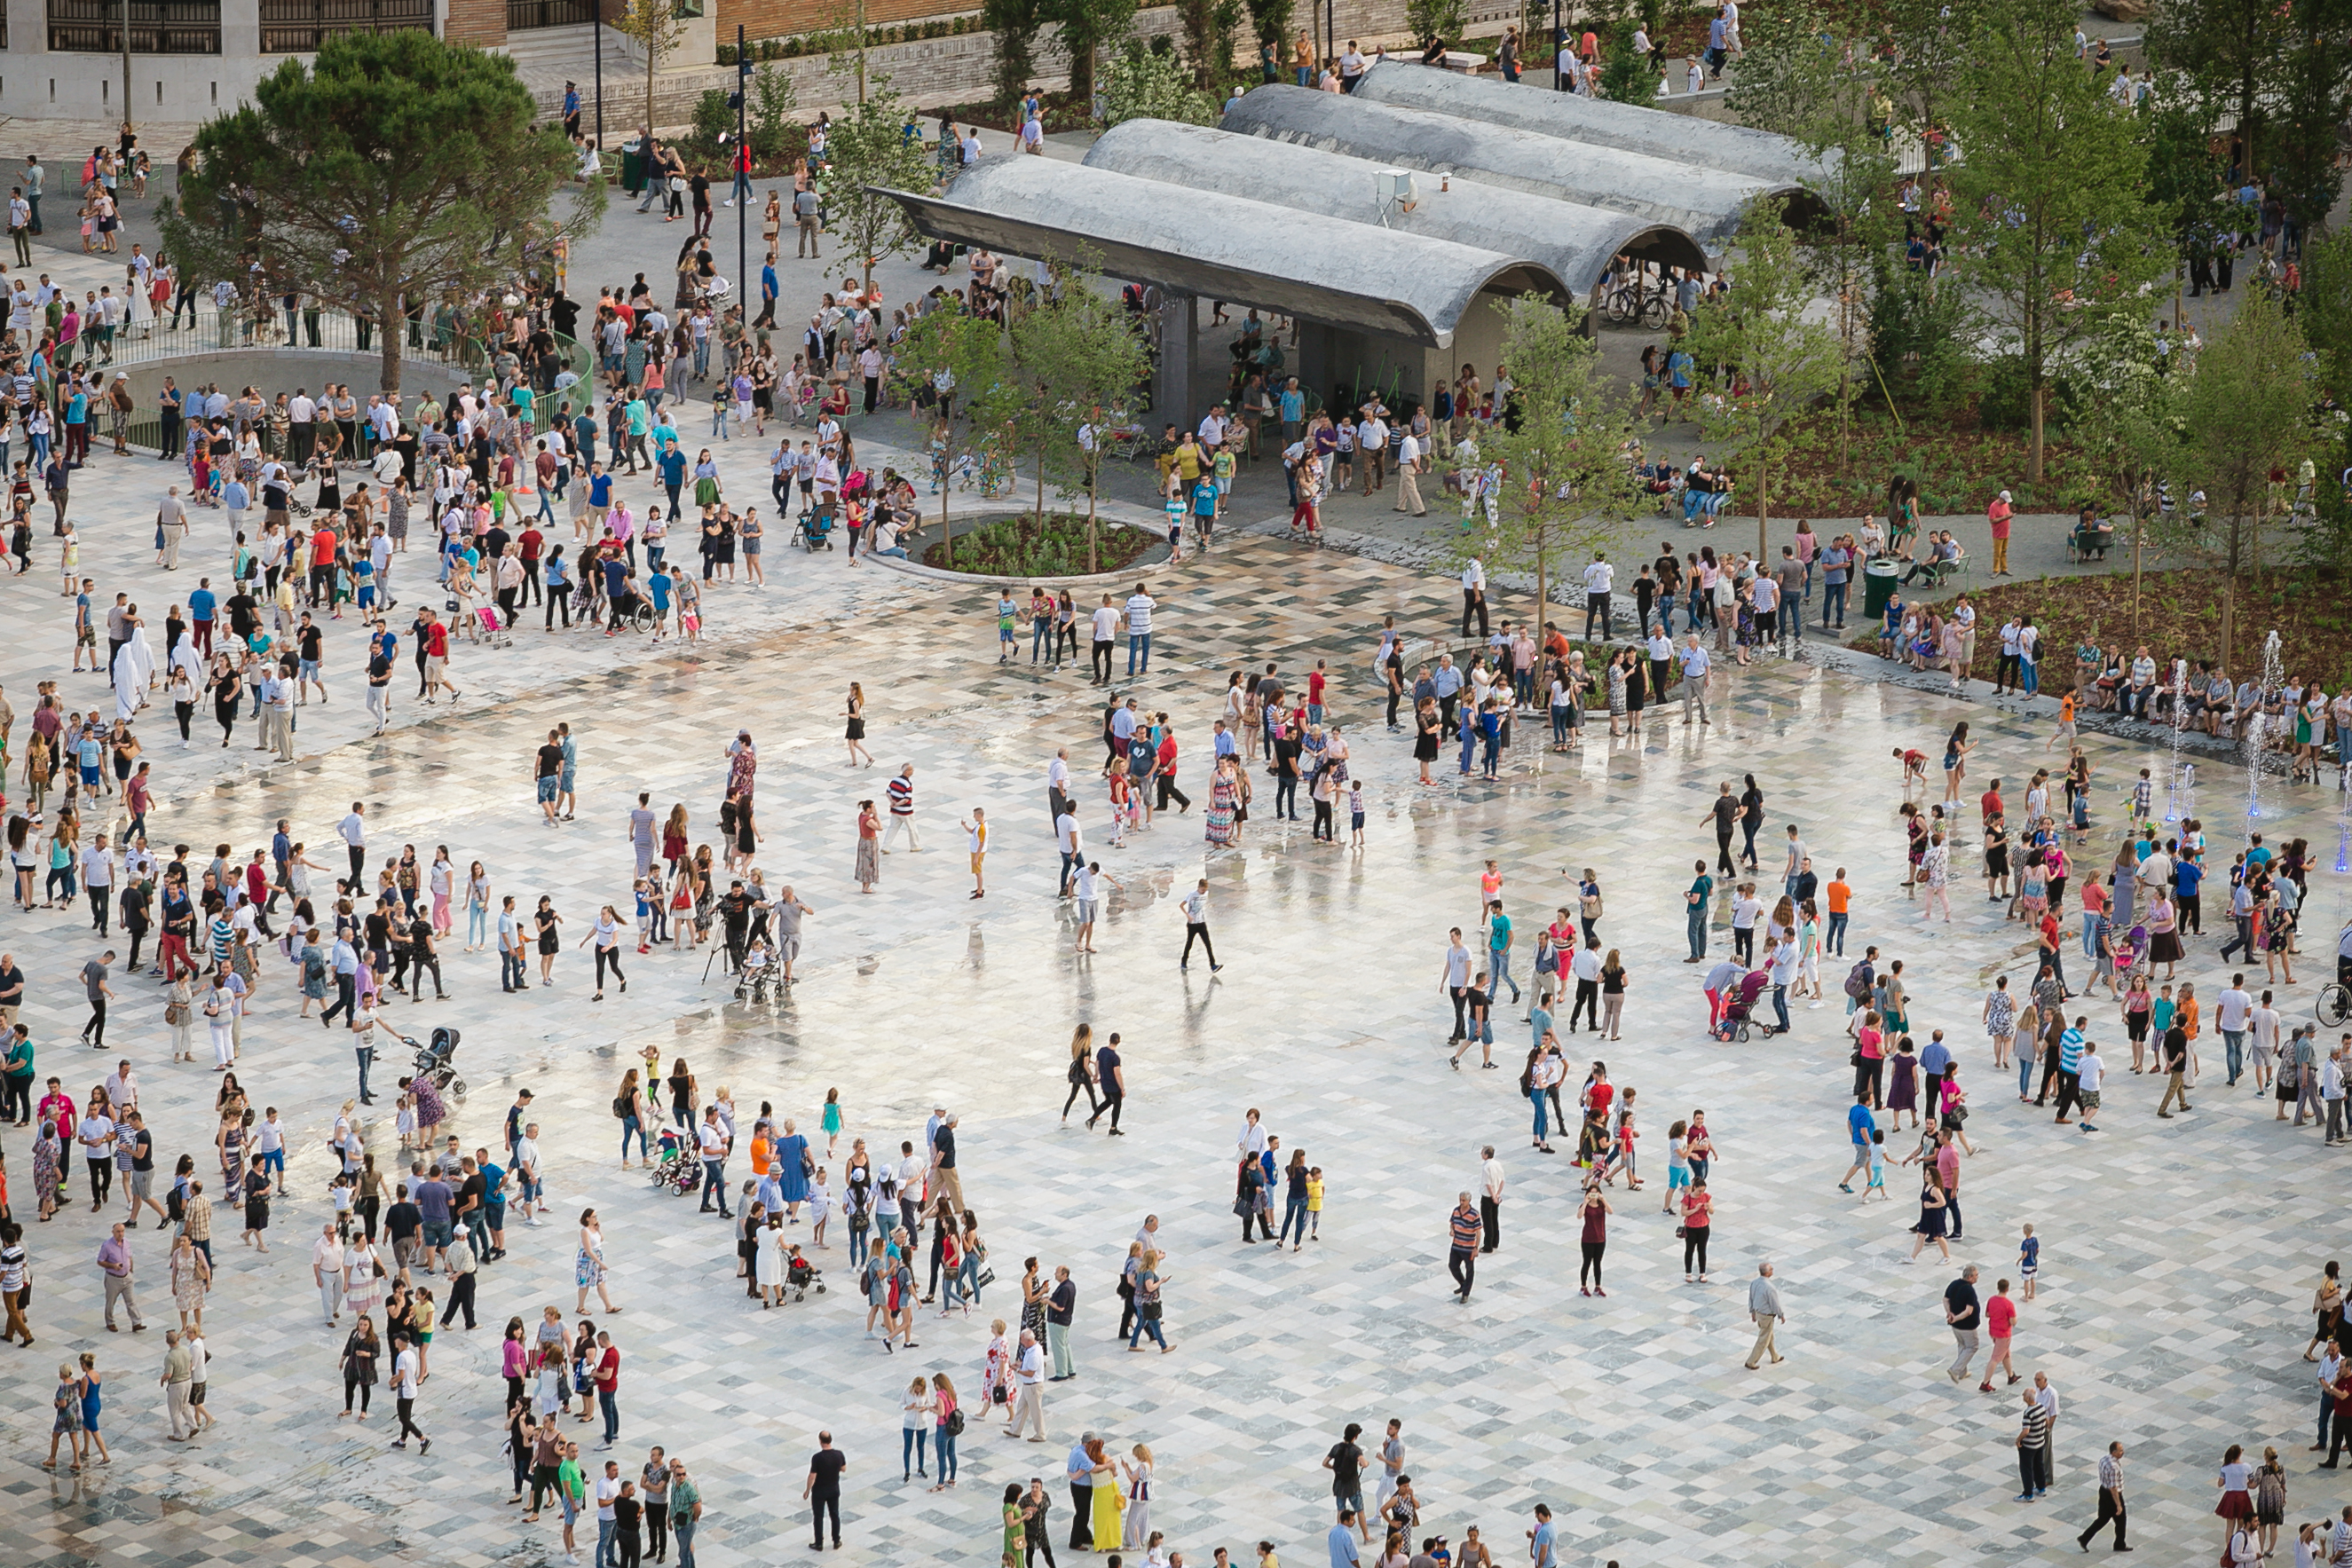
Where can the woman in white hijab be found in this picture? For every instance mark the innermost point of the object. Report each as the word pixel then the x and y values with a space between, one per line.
pixel 134 667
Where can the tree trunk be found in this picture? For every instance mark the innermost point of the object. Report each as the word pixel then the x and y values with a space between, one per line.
pixel 391 321
pixel 1763 513
pixel 653 58
pixel 947 480
pixel 1543 595
pixel 2229 605
pixel 2033 448
pixel 2140 536
pixel 1094 542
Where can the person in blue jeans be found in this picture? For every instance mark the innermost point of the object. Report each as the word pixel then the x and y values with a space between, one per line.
pixel 1498 949
pixel 1695 898
pixel 1138 632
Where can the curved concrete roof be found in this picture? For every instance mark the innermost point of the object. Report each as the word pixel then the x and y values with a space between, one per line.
pixel 1704 202
pixel 1222 247
pixel 1575 241
pixel 1778 160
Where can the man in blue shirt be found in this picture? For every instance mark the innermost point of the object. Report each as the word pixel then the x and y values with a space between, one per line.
pixel 583 436
pixel 1342 1542
pixel 672 465
pixel 203 605
pixel 767 292
pixel 1540 1539
pixel 658 585
pixel 1935 1062
pixel 1859 1125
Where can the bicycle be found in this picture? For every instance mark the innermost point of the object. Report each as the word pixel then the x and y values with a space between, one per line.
pixel 1637 303
pixel 2335 1005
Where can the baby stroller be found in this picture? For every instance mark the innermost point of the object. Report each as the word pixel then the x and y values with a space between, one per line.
pixel 755 978
pixel 494 628
pixel 1739 1007
pixel 674 1167
pixel 815 531
pixel 800 1274
pixel 432 1061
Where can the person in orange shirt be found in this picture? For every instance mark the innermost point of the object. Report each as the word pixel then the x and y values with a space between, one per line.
pixel 2185 1019
pixel 2065 730
pixel 1840 896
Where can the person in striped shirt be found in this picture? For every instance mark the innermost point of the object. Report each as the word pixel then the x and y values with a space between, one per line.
pixel 2032 1436
pixel 1462 1258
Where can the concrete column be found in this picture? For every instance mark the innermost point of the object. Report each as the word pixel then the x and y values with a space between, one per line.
pixel 1171 387
pixel 240 37
pixel 28 33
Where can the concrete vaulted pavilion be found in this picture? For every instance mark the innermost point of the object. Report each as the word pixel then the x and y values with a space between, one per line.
pixel 1702 202
pixel 1779 162
pixel 1575 242
pixel 1223 246
pixel 1373 296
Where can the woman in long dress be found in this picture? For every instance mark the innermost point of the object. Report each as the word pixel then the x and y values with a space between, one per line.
pixel 588 1265
pixel 769 1262
pixel 790 1161
pixel 191 1275
pixel 1225 793
pixel 1931 1218
pixel 869 844
pixel 1109 1500
pixel 1139 1498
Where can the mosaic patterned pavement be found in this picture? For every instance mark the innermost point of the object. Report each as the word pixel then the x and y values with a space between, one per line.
pixel 2177 1259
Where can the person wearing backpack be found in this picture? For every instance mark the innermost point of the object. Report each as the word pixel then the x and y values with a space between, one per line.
pixel 1860 981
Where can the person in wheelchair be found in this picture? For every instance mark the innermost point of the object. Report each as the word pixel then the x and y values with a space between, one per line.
pixel 625 602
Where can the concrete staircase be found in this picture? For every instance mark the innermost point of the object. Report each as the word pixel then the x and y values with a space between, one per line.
pixel 546 57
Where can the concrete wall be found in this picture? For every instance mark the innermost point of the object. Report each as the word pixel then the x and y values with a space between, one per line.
pixel 273 371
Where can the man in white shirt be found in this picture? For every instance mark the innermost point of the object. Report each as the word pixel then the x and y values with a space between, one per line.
pixel 1104 624
pixel 1597 578
pixel 1058 785
pixel 1490 1199
pixel 1072 844
pixel 1213 429
pixel 1409 455
pixel 405 1380
pixel 1372 445
pixel 1473 595
pixel 713 1140
pixel 1029 1381
pixel 327 1273
pixel 98 876
pixel 2088 1073
pixel 1138 632
pixel 353 832
pixel 2230 1011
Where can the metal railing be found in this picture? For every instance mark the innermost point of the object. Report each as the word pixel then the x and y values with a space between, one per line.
pixel 424 342
pixel 157 26
pixel 298 26
pixel 527 16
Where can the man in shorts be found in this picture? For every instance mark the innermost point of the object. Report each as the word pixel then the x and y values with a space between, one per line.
pixel 788 911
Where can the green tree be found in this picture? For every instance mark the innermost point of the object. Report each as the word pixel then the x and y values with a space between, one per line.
pixel 1080 348
pixel 1145 82
pixel 871 152
pixel 392 168
pixel 1807 76
pixel 1626 76
pixel 657 28
pixel 2229 48
pixel 2314 86
pixel 1439 19
pixel 1270 23
pixel 1210 29
pixel 1763 361
pixel 1016 23
pixel 773 99
pixel 962 357
pixel 2324 313
pixel 1565 477
pixel 1084 29
pixel 1925 46
pixel 2243 411
pixel 2120 411
pixel 2047 159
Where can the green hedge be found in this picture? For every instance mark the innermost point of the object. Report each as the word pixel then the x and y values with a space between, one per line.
pixel 795 47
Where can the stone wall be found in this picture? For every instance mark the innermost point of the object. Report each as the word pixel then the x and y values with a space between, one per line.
pixel 482 22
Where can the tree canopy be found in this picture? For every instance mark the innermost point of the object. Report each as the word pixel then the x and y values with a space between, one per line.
pixel 392 170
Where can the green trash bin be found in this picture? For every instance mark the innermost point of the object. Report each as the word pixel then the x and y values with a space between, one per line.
pixel 633 166
pixel 1878 586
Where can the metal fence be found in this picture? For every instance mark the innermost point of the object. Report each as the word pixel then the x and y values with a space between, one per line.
pixel 526 15
pixel 157 26
pixel 298 26
pixel 327 332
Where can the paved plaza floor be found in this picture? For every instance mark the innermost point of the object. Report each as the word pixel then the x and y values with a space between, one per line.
pixel 2177 1261
pixel 2176 1265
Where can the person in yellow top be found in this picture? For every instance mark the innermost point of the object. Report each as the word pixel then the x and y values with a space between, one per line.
pixel 1302 57
pixel 975 829
pixel 420 1317
pixel 1315 1203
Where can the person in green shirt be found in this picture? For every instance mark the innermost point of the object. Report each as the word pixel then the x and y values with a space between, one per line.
pixel 572 1491
pixel 685 1511
pixel 1701 889
pixel 16 1067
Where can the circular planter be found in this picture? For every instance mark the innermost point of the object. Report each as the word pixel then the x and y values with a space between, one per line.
pixel 1153 558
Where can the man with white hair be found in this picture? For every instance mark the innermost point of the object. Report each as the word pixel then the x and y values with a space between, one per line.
pixel 1764 1306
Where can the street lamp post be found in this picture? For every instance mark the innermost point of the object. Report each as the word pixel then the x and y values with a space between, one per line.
pixel 740 177
pixel 1559 44
pixel 599 18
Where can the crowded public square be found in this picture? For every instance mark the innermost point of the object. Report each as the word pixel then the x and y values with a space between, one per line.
pixel 551 1020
